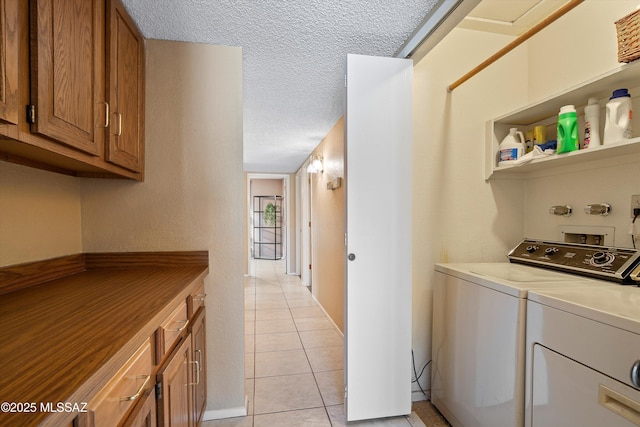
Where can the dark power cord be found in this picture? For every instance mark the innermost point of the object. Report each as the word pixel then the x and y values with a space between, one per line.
pixel 636 213
pixel 416 375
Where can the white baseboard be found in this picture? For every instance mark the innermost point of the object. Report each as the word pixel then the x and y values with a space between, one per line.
pixel 218 414
pixel 328 317
pixel 417 396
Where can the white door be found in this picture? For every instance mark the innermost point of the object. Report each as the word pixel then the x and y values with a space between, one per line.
pixel 378 268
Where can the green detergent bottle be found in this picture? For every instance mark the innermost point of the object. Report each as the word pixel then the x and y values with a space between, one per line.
pixel 567 129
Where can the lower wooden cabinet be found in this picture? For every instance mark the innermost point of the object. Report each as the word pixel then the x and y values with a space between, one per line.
pixel 175 396
pixel 111 406
pixel 198 342
pixel 182 385
pixel 145 414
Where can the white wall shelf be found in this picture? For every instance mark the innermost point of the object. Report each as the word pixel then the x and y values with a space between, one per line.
pixel 545 113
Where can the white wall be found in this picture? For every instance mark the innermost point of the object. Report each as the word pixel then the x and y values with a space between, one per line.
pixel 192 197
pixel 588 49
pixel 457 216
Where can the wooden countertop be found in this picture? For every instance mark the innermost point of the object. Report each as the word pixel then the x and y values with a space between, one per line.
pixel 62 340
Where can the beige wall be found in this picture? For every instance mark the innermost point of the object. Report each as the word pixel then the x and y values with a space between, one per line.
pixel 267 187
pixel 327 227
pixel 589 29
pixel 39 215
pixel 192 197
pixel 457 216
pixel 193 186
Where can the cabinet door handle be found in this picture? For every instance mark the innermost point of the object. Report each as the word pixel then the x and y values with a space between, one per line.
pixel 186 323
pixel 106 114
pixel 620 404
pixel 198 372
pixel 140 390
pixel 199 297
pixel 119 118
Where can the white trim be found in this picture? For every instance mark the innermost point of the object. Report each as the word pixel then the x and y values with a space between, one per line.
pixel 328 317
pixel 218 414
pixel 287 207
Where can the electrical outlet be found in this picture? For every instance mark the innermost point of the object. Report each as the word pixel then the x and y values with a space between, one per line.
pixel 635 203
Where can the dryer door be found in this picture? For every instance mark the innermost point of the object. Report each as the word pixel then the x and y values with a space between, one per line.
pixel 567 393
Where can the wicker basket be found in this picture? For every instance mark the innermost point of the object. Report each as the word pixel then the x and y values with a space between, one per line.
pixel 629 37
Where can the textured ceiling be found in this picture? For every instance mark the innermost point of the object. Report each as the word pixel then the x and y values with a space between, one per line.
pixel 294 55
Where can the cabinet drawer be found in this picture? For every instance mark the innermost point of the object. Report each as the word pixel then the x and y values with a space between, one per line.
pixel 196 300
pixel 110 406
pixel 171 330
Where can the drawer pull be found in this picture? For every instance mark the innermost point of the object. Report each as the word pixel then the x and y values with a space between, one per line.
pixel 198 371
pixel 140 390
pixel 199 297
pixel 620 404
pixel 186 323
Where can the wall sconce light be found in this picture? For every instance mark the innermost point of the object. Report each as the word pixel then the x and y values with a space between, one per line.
pixel 315 165
pixel 334 184
pixel 560 210
pixel 603 209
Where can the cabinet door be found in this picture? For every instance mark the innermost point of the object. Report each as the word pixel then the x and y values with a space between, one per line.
pixel 199 360
pixel 125 89
pixel 67 72
pixel 9 61
pixel 145 414
pixel 174 403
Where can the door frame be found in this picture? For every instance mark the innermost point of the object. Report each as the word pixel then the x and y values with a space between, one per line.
pixel 289 269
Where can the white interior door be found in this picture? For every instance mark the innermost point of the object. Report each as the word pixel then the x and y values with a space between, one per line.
pixel 378 268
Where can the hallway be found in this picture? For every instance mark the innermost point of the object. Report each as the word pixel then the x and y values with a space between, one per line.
pixel 293 357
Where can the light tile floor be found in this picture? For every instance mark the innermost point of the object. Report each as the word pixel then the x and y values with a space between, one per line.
pixel 293 358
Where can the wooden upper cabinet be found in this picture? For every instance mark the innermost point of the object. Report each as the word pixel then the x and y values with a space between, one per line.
pixel 67 72
pixel 9 61
pixel 125 88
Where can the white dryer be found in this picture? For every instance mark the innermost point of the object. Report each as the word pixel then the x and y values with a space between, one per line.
pixel 583 357
pixel 479 325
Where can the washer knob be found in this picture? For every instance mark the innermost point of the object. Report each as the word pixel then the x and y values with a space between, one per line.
pixel 531 249
pixel 600 257
pixel 551 251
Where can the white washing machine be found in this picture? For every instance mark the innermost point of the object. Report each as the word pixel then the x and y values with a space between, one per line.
pixel 479 325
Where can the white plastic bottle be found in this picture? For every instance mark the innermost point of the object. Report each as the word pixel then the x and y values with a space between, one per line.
pixel 591 124
pixel 510 148
pixel 617 125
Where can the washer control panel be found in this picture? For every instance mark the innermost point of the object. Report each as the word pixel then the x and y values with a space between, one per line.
pixel 598 261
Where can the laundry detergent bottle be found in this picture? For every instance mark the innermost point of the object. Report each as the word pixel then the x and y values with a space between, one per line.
pixel 511 148
pixel 617 125
pixel 567 129
pixel 591 124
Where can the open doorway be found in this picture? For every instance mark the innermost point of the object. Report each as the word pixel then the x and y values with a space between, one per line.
pixel 270 220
